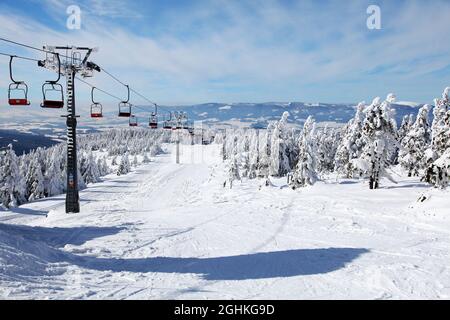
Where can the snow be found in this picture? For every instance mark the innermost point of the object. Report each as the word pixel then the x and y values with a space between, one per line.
pixel 171 231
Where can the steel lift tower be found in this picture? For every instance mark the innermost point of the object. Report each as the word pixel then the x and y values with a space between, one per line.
pixel 69 62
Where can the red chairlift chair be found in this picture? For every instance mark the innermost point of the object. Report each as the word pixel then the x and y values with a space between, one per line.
pixel 125 106
pixel 17 86
pixel 153 123
pixel 53 86
pixel 96 108
pixel 133 121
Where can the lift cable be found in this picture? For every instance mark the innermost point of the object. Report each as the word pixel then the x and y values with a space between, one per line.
pixel 99 89
pixel 154 104
pixel 18 57
pixel 104 70
pixel 108 93
pixel 31 47
pixel 131 89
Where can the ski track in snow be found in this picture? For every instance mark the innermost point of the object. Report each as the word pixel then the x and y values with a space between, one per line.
pixel 168 231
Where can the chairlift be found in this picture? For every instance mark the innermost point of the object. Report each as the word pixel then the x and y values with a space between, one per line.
pixel 133 121
pixel 125 106
pixel 54 89
pixel 96 107
pixel 153 123
pixel 167 124
pixel 17 87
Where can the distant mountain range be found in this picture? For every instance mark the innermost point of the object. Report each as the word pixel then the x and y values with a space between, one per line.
pixel 35 122
pixel 259 114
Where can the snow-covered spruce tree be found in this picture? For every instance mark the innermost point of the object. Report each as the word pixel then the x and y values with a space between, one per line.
pixel 53 182
pixel 351 144
pixel 405 127
pixel 415 143
pixel 233 171
pixel 440 126
pixel 279 159
pixel 89 169
pixel 264 153
pixel 305 171
pixel 244 154
pixel 12 184
pixel 146 159
pixel 379 135
pixel 292 147
pixel 253 154
pixel 35 181
pixel 327 141
pixel 135 161
pixel 437 171
pixel 124 166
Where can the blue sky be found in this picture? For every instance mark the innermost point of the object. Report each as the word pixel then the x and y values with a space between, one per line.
pixel 183 52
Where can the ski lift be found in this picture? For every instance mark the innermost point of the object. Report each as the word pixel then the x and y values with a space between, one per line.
pixel 96 108
pixel 167 123
pixel 125 106
pixel 133 121
pixel 153 122
pixel 53 89
pixel 17 87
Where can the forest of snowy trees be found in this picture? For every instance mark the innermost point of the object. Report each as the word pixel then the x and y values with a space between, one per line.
pixel 367 147
pixel 41 173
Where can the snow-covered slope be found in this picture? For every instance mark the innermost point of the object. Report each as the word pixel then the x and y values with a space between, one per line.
pixel 172 231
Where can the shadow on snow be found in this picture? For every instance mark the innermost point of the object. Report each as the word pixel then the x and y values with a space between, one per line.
pixel 288 263
pixel 59 237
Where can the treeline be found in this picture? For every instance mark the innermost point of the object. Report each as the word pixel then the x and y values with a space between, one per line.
pixel 366 147
pixel 42 172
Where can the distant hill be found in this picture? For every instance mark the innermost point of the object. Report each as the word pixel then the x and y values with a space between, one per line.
pixel 24 142
pixel 258 114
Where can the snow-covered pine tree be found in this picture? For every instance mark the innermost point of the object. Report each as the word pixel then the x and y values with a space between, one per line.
pixel 146 159
pixel 440 129
pixel 438 155
pixel 351 144
pixel 254 154
pixel 415 143
pixel 379 134
pixel 264 153
pixel 89 169
pixel 233 172
pixel 292 147
pixel 305 171
pixel 12 184
pixel 53 182
pixel 124 166
pixel 35 181
pixel 327 141
pixel 279 159
pixel 135 161
pixel 405 127
pixel 244 154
